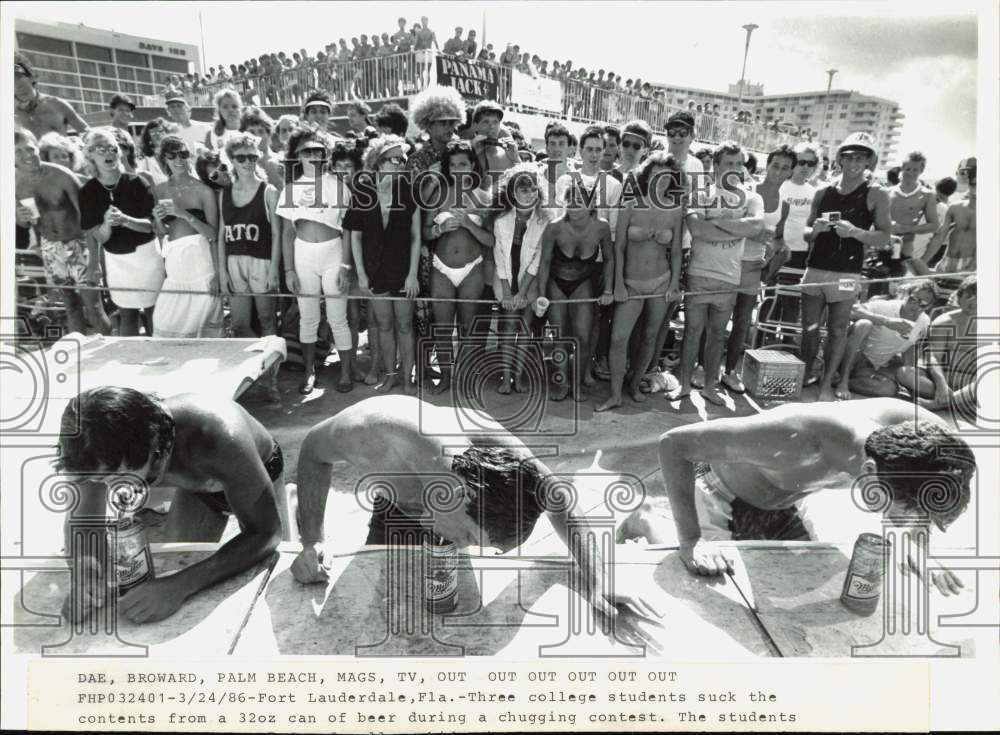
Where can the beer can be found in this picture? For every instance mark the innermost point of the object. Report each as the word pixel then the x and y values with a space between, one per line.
pixel 863 583
pixel 441 580
pixel 132 555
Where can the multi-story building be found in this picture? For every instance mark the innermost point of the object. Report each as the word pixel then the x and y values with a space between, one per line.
pixel 86 66
pixel 831 117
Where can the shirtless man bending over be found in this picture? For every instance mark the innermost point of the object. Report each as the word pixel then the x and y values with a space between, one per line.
pixel 218 459
pixel 398 436
pixel 37 112
pixel 65 255
pixel 747 473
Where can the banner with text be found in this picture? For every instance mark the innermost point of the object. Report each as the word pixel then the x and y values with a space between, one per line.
pixel 471 78
pixel 539 93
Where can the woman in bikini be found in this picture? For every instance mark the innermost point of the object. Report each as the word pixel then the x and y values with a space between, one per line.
pixel 647 263
pixel 569 269
pixel 186 217
pixel 460 242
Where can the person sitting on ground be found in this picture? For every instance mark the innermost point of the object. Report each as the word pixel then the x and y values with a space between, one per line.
pixel 951 356
pixel 218 460
pixel 505 487
pixel 881 343
pixel 723 479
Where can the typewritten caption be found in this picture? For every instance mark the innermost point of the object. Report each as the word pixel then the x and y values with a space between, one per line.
pixel 362 696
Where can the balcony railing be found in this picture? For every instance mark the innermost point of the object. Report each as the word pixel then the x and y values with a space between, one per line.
pixel 404 74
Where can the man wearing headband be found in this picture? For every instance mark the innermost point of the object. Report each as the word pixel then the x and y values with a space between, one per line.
pixel 316 110
pixel 37 112
pixel 494 145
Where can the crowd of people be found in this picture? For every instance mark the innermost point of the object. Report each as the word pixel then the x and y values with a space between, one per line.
pixel 622 242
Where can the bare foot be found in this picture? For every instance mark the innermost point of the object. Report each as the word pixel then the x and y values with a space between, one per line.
pixel 357 374
pixel 588 379
pixel 843 392
pixel 410 387
pixel 504 388
pixel 826 394
pixel 698 378
pixel 582 394
pixel 713 395
pixel 390 381
pixel 559 391
pixel 521 384
pixel 637 393
pixel 733 382
pixel 373 378
pixel 612 402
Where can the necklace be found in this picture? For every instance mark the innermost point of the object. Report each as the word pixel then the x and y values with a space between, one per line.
pixel 111 189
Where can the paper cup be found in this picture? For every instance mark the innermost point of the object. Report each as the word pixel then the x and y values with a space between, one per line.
pixel 476 219
pixel 541 306
pixel 29 203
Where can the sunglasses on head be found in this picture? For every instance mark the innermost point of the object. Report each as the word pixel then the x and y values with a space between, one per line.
pixel 183 155
pixel 636 146
pixel 677 133
pixel 244 157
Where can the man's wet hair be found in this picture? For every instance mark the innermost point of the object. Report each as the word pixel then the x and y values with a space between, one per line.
pixel 507 487
pixel 102 428
pixel 927 468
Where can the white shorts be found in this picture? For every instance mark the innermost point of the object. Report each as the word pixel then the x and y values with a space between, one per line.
pixel 247 275
pixel 142 269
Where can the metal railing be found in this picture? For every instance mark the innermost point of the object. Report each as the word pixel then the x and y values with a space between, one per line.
pixel 396 75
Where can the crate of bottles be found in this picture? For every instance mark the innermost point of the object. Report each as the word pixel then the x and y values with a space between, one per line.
pixel 773 374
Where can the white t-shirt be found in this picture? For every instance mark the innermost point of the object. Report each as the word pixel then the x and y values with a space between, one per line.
pixel 799 198
pixel 884 343
pixel 194 136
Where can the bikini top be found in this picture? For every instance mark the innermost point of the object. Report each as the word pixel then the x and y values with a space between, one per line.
pixel 663 237
pixel 559 255
pixel 303 200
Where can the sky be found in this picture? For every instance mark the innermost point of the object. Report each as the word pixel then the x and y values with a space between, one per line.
pixel 922 56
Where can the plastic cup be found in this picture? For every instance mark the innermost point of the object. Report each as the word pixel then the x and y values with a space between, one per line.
pixel 541 306
pixel 30 203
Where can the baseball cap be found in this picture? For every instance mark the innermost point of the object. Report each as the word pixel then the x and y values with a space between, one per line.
pixel 857 142
pixel 121 99
pixel 173 97
pixel 682 118
pixel 640 129
pixel 967 163
pixel 484 107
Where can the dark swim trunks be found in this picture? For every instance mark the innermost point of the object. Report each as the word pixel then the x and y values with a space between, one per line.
pixel 506 505
pixel 274 464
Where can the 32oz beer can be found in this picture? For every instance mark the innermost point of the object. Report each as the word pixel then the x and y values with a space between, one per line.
pixel 441 580
pixel 863 583
pixel 133 557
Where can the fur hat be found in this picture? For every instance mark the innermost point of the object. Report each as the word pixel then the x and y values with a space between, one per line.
pixel 437 103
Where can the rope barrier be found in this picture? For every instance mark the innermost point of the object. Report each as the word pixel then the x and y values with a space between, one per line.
pixel 363 297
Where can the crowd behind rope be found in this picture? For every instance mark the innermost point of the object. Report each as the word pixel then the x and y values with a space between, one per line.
pixel 617 239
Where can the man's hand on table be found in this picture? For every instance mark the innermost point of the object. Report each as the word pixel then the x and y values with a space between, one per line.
pixel 945 580
pixel 705 557
pixel 153 600
pixel 308 566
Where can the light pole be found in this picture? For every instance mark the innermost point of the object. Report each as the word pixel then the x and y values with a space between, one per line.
pixel 826 104
pixel 749 28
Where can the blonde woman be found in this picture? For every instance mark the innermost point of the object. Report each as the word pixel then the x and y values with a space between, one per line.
pixel 116 211
pixel 228 109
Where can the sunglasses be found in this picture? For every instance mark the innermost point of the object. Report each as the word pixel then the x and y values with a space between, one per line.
pixel 398 160
pixel 677 133
pixel 183 155
pixel 314 151
pixel 244 157
pixel 810 164
pixel 634 146
pixel 104 150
